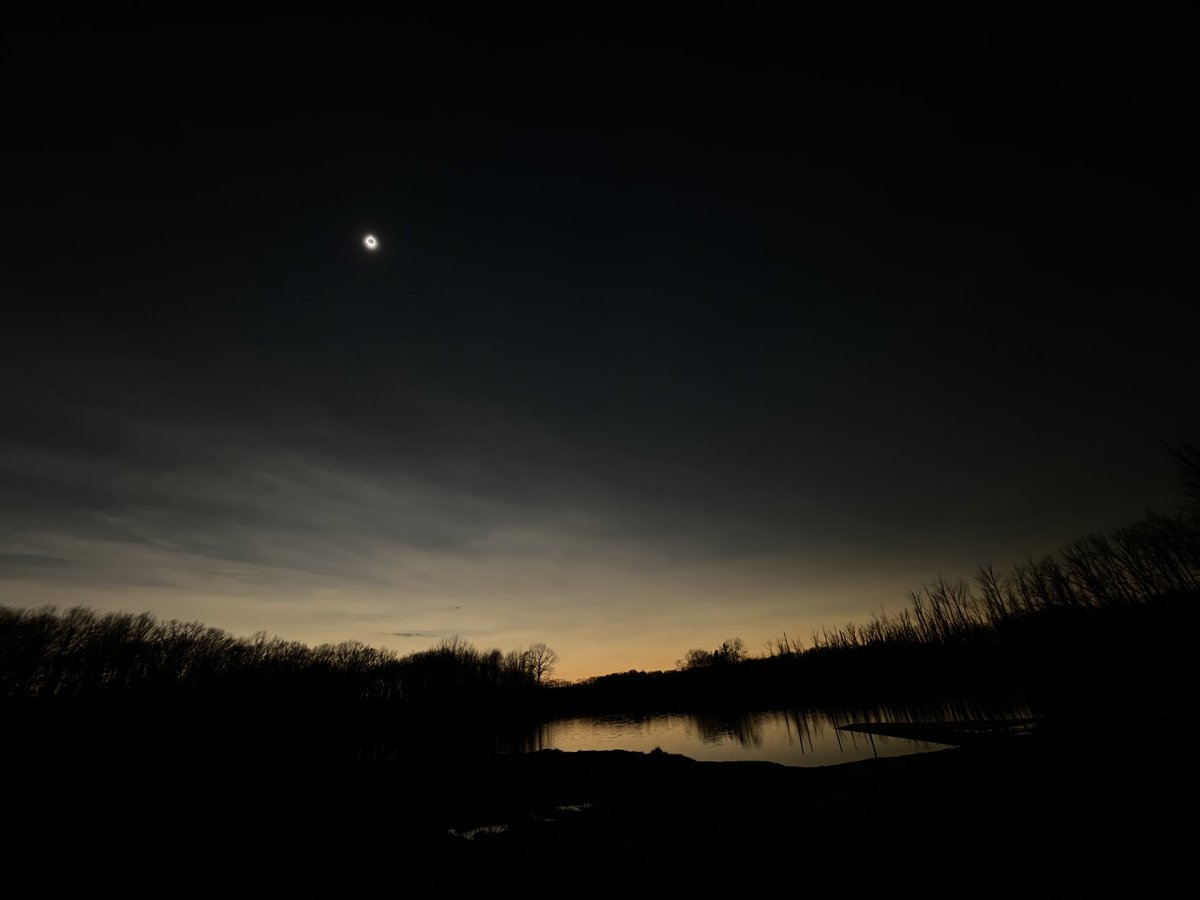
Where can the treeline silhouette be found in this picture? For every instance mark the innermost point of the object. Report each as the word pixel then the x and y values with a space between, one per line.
pixel 1113 618
pixel 129 687
pixel 1155 558
pixel 84 654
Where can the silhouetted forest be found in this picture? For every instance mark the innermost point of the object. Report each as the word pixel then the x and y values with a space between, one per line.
pixel 1111 619
pixel 82 654
pixel 121 684
pixel 1114 618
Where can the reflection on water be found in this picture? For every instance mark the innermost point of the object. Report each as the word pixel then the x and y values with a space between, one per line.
pixel 795 737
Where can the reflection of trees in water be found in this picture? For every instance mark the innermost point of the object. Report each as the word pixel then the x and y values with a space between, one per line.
pixel 802 726
pixel 812 730
pixel 945 709
pixel 597 729
pixel 529 739
pixel 713 728
pixel 806 728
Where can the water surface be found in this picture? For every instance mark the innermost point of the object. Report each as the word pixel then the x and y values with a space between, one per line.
pixel 792 737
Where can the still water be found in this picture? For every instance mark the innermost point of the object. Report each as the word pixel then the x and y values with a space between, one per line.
pixel 793 737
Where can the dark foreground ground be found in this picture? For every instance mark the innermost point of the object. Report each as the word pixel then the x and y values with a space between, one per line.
pixel 1067 816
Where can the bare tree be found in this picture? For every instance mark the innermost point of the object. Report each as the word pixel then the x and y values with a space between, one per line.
pixel 696 659
pixel 730 651
pixel 541 660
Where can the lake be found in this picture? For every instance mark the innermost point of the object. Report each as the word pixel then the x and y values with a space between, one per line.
pixel 793 737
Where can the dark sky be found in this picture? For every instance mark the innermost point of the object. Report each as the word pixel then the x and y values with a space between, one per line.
pixel 681 327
